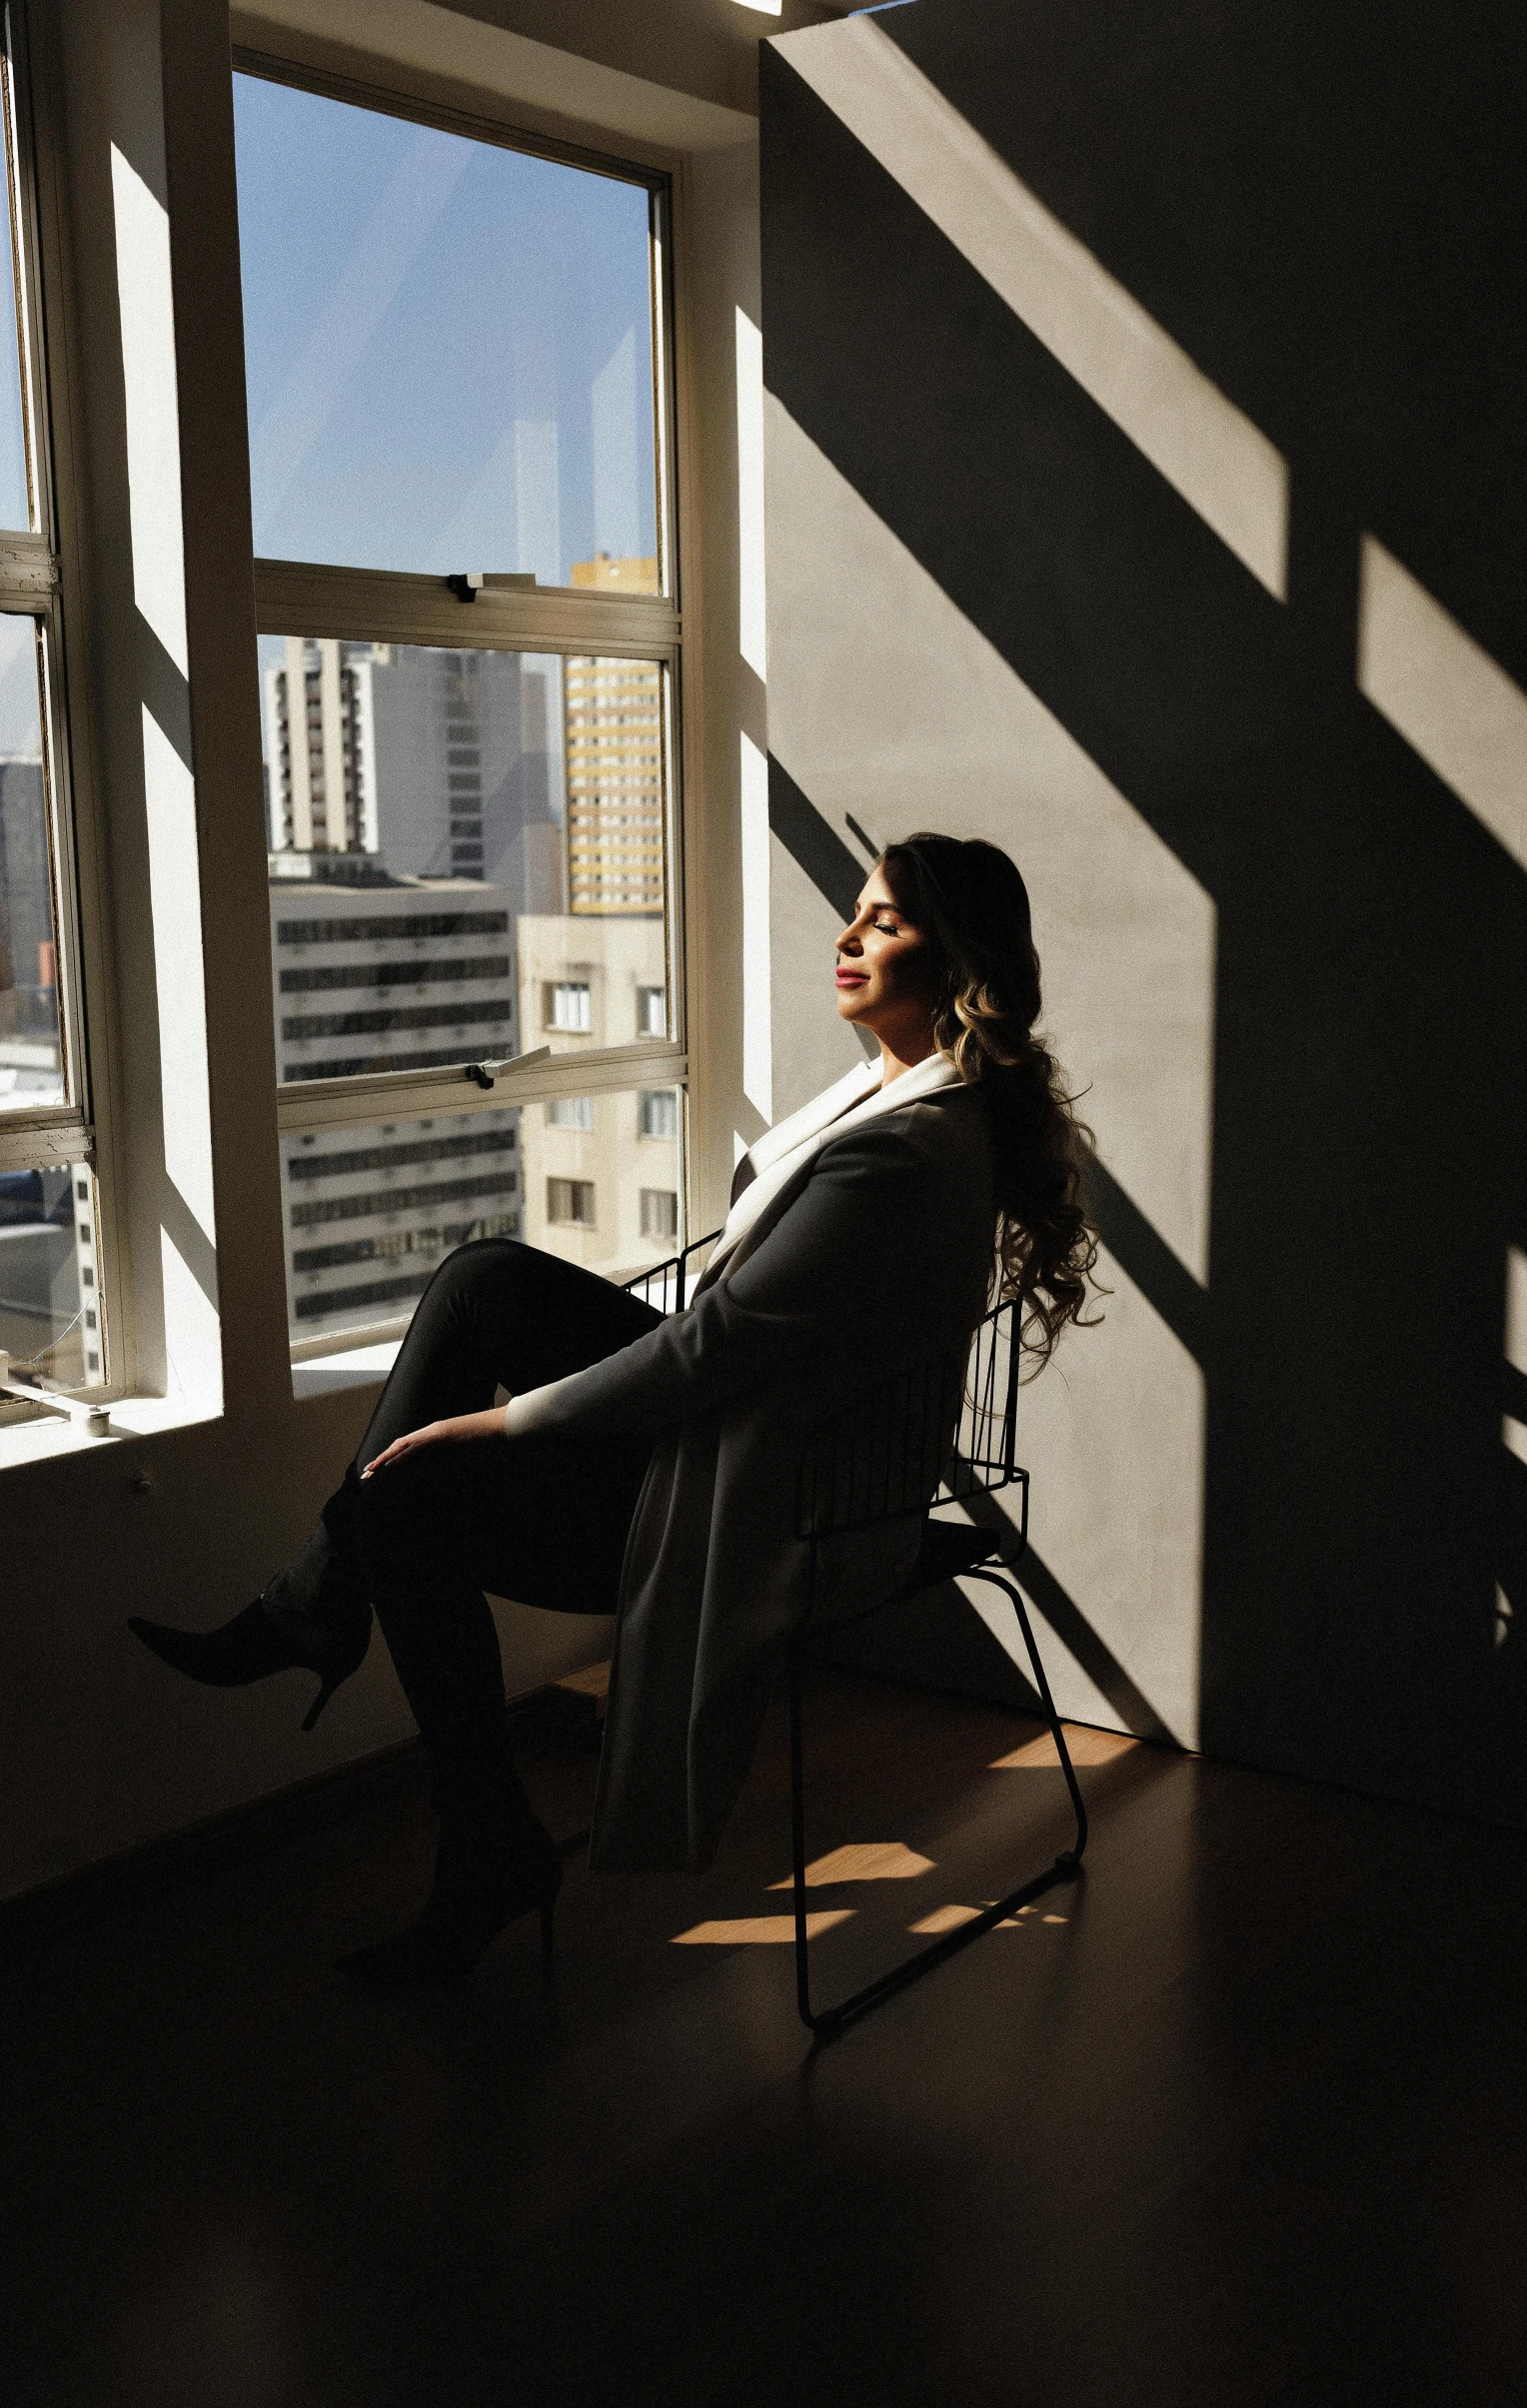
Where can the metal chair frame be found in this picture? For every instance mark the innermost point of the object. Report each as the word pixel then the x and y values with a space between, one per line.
pixel 675 1275
pixel 869 1467
pixel 939 1432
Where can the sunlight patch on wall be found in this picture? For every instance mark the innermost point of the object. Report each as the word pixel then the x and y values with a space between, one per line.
pixel 753 633
pixel 1208 451
pixel 888 704
pixel 1444 695
pixel 758 1006
pixel 152 410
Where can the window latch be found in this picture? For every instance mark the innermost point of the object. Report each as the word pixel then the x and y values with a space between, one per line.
pixel 467 583
pixel 484 1073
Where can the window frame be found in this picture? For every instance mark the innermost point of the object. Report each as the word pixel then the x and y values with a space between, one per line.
pixel 44 1136
pixel 319 600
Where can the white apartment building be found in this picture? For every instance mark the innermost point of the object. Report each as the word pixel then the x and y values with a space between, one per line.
pixel 601 1174
pixel 392 974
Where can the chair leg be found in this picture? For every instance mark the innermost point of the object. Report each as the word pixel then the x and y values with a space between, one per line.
pixel 1058 1732
pixel 798 1849
pixel 1066 1867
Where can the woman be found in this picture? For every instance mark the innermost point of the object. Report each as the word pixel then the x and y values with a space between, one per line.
pixel 647 1466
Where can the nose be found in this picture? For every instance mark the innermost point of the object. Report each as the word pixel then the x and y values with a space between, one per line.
pixel 848 941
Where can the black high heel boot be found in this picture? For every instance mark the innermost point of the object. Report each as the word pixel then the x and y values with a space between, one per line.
pixel 311 1619
pixel 482 1885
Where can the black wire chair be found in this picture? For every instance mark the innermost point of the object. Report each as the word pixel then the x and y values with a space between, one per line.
pixel 949 1425
pixel 665 1285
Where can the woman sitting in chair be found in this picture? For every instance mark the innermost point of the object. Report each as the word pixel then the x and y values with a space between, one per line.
pixel 646 1466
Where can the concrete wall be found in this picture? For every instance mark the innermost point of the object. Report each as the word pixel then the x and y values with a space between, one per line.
pixel 1144 493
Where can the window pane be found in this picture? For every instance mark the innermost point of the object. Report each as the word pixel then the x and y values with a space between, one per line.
pixel 601 1190
pixel 15 501
pixel 372 1212
pixel 51 1321
pixel 467 853
pixel 30 1066
pixel 448 348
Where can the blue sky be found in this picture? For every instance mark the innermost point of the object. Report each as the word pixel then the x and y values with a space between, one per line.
pixel 447 345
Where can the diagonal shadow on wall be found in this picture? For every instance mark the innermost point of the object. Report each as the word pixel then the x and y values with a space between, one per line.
pixel 1372 978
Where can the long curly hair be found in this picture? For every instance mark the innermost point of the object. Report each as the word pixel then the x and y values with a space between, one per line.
pixel 971 907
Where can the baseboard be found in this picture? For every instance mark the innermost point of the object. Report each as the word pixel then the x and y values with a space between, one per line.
pixel 141 1878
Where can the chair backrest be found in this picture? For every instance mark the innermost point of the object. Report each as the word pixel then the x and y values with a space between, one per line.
pixel 951 1420
pixel 665 1285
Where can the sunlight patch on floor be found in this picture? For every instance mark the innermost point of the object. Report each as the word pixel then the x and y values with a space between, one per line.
pixel 873 1860
pixel 1086 1747
pixel 772 1930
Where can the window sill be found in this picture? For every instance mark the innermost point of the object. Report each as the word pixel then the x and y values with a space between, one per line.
pixel 353 1366
pixel 49 1436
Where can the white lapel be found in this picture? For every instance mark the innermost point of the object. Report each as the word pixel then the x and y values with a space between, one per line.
pixel 784 1151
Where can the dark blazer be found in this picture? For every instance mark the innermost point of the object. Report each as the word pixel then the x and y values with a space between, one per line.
pixel 880 1252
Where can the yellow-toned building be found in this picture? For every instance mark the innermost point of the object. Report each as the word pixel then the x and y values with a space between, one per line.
pixel 615 765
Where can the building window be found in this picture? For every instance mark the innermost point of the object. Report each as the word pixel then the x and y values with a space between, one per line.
pixel 570 1006
pixel 660 1212
pixel 52 1322
pixel 570 1202
pixel 651 1011
pixel 660 1112
pixel 470 642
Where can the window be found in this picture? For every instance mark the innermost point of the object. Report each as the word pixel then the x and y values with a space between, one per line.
pixel 651 1011
pixel 460 464
pixel 571 1200
pixel 660 1112
pixel 568 1007
pixel 52 1308
pixel 660 1212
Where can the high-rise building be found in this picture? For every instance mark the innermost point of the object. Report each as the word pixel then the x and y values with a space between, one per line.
pixel 447 763
pixel 29 1058
pixel 614 765
pixel 389 975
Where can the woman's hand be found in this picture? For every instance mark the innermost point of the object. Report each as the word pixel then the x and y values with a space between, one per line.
pixel 463 1424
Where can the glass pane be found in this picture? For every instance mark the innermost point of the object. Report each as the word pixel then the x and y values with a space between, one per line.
pixel 15 499
pixel 467 853
pixel 50 1296
pixel 448 348
pixel 30 1066
pixel 371 1212
pixel 603 1184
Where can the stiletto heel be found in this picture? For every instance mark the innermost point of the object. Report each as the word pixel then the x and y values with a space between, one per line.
pixel 477 1894
pixel 260 1642
pixel 326 1690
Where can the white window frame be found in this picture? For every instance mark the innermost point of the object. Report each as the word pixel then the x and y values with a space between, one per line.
pixel 373 605
pixel 54 1135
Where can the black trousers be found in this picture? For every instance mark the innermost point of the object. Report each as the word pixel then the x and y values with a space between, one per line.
pixel 544 1521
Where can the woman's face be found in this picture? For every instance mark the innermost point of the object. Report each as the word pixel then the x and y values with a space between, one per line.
pixel 886 972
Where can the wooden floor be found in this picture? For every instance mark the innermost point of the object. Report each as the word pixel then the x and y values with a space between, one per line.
pixel 1238 2119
